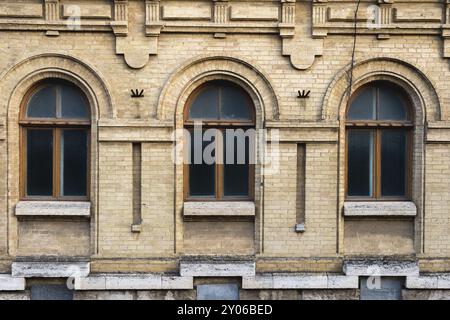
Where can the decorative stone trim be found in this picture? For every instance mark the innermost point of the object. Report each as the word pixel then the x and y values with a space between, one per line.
pixel 381 268
pixel 429 281
pixel 50 269
pixel 221 11
pixel 217 269
pixel 51 10
pixel 53 208
pixel 375 209
pixel 300 281
pixel 133 282
pixel 8 283
pixel 219 208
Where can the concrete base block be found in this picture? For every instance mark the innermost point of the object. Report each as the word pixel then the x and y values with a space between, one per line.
pixel 8 283
pixel 426 294
pixel 21 295
pixel 376 208
pixel 133 282
pixel 53 208
pixel 381 268
pixel 351 294
pixel 300 281
pixel 217 269
pixel 50 269
pixel 430 281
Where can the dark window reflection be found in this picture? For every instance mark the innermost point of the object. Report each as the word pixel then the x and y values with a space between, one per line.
pixel 236 165
pixel 39 162
pixel 74 148
pixel 201 173
pixel 393 163
pixel 360 162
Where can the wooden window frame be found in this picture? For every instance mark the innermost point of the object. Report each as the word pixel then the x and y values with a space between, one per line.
pixel 378 127
pixel 220 125
pixel 57 125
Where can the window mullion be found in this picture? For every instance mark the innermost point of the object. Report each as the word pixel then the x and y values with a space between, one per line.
pixel 56 163
pixel 377 163
pixel 219 164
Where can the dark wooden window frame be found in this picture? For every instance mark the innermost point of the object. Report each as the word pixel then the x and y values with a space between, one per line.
pixel 377 127
pixel 221 125
pixel 57 125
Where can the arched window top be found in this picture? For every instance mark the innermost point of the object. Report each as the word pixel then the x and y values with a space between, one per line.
pixel 220 101
pixel 57 100
pixel 379 101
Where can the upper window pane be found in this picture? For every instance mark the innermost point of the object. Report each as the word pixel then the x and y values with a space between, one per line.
pixel 73 104
pixel 234 104
pixel 205 105
pixel 56 101
pixel 391 105
pixel 363 106
pixel 43 103
pixel 221 101
pixel 379 101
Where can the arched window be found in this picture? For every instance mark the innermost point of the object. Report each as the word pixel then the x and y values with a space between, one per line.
pixel 220 153
pixel 379 143
pixel 55 126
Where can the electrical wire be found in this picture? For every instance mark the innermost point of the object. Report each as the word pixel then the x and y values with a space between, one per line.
pixel 355 29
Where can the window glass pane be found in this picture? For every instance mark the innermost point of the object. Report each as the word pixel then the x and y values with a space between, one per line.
pixel 360 163
pixel 205 104
pixel 73 105
pixel 39 162
pixel 201 169
pixel 74 150
pixel 236 164
pixel 392 106
pixel 393 162
pixel 43 103
pixel 363 106
pixel 234 104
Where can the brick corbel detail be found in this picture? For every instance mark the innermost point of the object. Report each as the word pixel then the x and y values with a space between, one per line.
pixel 301 50
pixel 137 49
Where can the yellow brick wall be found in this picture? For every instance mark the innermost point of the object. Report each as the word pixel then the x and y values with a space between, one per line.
pixel 258 58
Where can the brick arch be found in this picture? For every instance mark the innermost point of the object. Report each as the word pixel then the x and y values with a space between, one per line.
pixel 199 70
pixel 417 85
pixel 17 80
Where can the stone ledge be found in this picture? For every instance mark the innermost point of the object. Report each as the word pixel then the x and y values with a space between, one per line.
pixel 377 208
pixel 219 208
pixel 218 269
pixel 133 282
pixel 300 281
pixel 381 268
pixel 50 269
pixel 53 208
pixel 430 281
pixel 8 283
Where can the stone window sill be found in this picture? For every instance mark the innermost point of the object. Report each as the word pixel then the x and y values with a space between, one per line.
pixel 219 208
pixel 53 208
pixel 380 208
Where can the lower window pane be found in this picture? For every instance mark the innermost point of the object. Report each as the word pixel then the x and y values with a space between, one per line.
pixel 201 169
pixel 360 163
pixel 236 165
pixel 39 162
pixel 393 163
pixel 74 149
